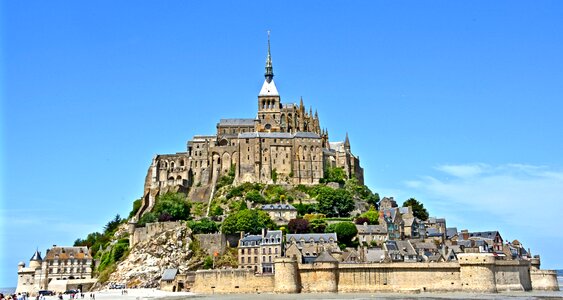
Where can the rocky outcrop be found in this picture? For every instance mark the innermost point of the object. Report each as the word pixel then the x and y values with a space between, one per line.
pixel 147 260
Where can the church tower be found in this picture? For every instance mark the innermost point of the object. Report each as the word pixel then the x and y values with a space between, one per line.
pixel 269 102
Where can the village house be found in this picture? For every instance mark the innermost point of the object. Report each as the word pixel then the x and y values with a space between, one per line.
pixel 371 234
pixel 494 236
pixel 306 247
pixel 258 252
pixel 280 213
pixel 400 251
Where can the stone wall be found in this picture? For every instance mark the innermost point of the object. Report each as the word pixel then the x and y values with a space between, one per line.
pixel 544 280
pixel 232 281
pixel 212 242
pixel 150 230
pixel 397 277
pixel 512 275
pixel 475 273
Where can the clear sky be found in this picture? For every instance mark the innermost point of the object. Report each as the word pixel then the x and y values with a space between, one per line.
pixel 458 104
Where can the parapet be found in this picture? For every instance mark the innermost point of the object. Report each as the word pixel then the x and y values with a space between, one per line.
pixel 476 259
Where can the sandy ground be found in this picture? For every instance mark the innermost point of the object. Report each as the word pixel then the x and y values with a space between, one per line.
pixel 145 294
pixel 132 294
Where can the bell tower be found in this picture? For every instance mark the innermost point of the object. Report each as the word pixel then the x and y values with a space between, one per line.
pixel 269 102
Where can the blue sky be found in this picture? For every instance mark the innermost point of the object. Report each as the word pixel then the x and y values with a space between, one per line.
pixel 458 104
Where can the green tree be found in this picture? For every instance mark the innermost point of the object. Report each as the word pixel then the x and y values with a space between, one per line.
pixel 335 174
pixel 173 204
pixel 247 220
pixel 298 226
pixel 112 225
pixel 255 197
pixel 334 203
pixel 318 225
pixel 418 209
pixel 361 191
pixel 203 226
pixel 136 206
pixel 345 231
pixel 372 216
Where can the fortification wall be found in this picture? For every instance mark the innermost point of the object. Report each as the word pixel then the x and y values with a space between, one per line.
pixel 475 273
pixel 212 242
pixel 396 277
pixel 512 275
pixel 150 230
pixel 232 281
pixel 319 277
pixel 544 280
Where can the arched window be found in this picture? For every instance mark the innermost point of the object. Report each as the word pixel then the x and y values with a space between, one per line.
pixel 171 165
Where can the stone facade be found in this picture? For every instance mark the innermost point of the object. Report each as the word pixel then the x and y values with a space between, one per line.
pixel 258 252
pixel 283 144
pixel 62 267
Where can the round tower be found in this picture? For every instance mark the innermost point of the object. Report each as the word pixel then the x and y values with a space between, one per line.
pixel 477 272
pixel 286 276
pixel 36 260
pixel 325 267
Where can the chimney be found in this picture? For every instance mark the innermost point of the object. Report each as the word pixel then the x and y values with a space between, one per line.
pixel 465 234
pixel 263 232
pixel 241 235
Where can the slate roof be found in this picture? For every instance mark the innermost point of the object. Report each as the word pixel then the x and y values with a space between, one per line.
pixel 325 257
pixel 432 232
pixel 274 234
pixel 375 255
pixel 236 122
pixel 403 247
pixel 169 274
pixel 484 234
pixel 451 232
pixel 371 229
pixel 425 246
pixel 278 135
pixel 36 256
pixel 278 207
pixel 80 252
pixel 310 135
pixel 252 237
pixel 307 237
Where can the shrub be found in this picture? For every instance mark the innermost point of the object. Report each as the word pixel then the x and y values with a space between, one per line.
pixel 247 220
pixel 255 197
pixel 203 226
pixel 298 226
pixel 345 231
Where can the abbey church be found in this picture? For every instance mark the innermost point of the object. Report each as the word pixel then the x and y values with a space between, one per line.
pixel 284 143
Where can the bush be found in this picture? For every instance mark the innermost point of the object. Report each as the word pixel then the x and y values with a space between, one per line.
pixel 335 203
pixel 136 206
pixel 255 197
pixel 247 220
pixel 208 262
pixel 318 225
pixel 203 226
pixel 298 226
pixel 345 231
pixel 336 174
pixel 371 216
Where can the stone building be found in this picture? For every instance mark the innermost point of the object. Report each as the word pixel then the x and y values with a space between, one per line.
pixel 284 143
pixel 64 263
pixel 31 278
pixel 258 252
pixel 62 267
pixel 280 213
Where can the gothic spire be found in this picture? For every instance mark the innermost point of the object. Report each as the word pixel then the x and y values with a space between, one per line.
pixel 347 142
pixel 269 69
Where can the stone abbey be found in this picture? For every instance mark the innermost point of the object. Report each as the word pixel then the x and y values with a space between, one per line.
pixel 283 144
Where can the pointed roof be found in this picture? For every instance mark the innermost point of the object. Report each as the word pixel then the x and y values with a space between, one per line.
pixel 347 141
pixel 325 257
pixel 269 68
pixel 269 89
pixel 36 256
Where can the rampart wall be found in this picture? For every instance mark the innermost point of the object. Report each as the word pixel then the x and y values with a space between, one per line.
pixel 232 281
pixel 140 234
pixel 473 273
